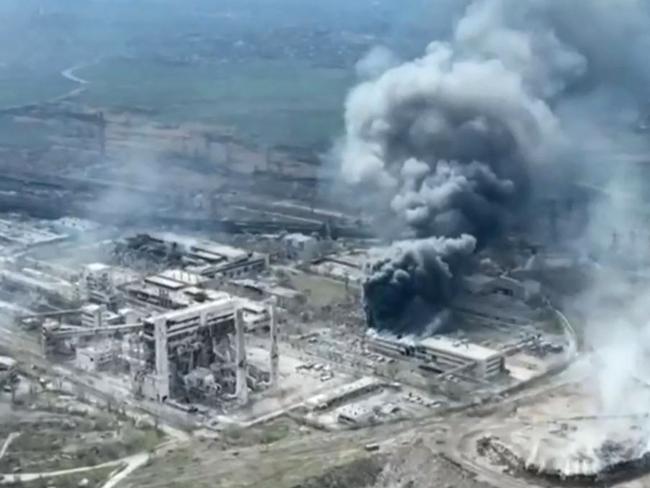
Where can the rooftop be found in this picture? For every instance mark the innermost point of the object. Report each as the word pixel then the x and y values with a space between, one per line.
pixel 268 288
pixel 97 267
pixel 227 252
pixel 298 238
pixel 7 362
pixel 466 349
pixel 225 301
pixel 184 277
pixel 159 280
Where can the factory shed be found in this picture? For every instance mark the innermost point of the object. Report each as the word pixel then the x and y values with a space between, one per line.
pixel 442 354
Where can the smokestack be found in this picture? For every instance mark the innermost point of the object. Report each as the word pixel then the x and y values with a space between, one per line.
pixel 275 355
pixel 242 363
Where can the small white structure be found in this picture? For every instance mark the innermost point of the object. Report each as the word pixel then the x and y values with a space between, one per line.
pixel 95 358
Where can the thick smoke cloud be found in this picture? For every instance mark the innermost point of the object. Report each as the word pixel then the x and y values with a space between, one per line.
pixel 452 142
pixel 424 271
pixel 378 60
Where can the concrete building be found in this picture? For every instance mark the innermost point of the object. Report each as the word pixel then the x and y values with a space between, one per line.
pixel 95 316
pixel 254 314
pixel 261 290
pixel 218 260
pixel 95 357
pixel 447 354
pixel 342 394
pixel 179 341
pixel 300 247
pixel 97 284
pixel 442 354
pixel 206 258
pixel 155 296
pixel 175 279
pixel 349 267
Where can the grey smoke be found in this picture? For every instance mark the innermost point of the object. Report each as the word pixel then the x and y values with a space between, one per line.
pixel 376 62
pixel 452 142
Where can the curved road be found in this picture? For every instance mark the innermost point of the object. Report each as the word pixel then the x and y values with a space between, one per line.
pixel 69 74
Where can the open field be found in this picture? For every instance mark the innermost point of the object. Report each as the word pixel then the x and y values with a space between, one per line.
pixel 90 479
pixel 25 86
pixel 275 102
pixel 61 433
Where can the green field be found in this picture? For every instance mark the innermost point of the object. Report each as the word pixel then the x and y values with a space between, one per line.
pixel 273 102
pixel 22 86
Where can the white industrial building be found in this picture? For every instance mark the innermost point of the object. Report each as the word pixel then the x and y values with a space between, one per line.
pixel 442 354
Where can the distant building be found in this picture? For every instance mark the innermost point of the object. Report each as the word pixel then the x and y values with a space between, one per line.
pixel 95 358
pixel 301 247
pixel 349 267
pixel 176 279
pixel 261 290
pixel 94 316
pixel 97 284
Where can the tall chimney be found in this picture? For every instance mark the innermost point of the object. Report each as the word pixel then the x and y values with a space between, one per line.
pixel 242 364
pixel 275 355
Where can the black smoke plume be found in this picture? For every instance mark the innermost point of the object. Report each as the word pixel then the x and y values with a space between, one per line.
pixel 410 290
pixel 452 143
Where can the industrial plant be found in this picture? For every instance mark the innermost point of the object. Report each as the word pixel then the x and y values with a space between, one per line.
pixel 303 244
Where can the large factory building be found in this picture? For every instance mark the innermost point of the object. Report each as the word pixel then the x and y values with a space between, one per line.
pixel 181 340
pixel 442 354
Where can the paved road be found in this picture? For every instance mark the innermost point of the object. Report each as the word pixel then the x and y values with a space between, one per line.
pixel 26 477
pixel 10 438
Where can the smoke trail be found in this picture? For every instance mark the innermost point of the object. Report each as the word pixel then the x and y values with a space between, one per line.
pixel 454 141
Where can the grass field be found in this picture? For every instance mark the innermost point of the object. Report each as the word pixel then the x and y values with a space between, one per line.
pixel 273 102
pixel 23 86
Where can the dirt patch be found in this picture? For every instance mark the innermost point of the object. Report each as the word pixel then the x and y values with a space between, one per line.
pixel 357 474
pixel 418 466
